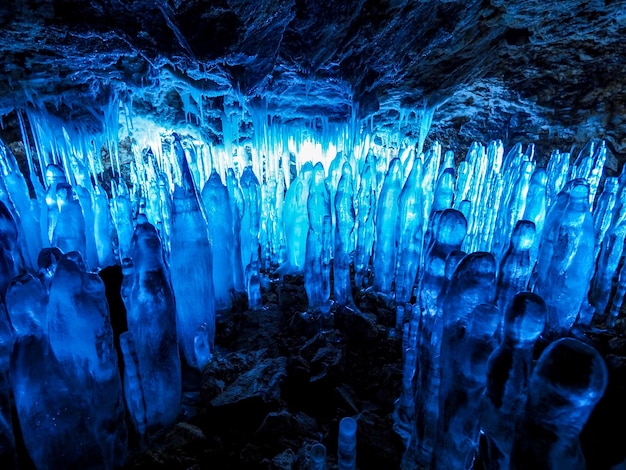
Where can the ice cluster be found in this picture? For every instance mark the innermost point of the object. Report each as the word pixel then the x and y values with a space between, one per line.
pixel 480 258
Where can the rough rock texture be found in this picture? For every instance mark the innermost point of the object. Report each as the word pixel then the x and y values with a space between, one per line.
pixel 297 377
pixel 527 70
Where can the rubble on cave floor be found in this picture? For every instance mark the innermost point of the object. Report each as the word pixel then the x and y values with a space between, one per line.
pixel 281 381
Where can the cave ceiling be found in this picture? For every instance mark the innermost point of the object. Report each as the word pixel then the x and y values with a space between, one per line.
pixel 551 72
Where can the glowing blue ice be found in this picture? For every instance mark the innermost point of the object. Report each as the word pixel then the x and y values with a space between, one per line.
pixel 427 234
pixel 150 346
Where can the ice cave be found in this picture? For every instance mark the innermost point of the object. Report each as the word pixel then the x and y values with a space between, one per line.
pixel 291 234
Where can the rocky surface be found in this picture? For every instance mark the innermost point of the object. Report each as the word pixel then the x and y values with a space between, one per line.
pixel 282 380
pixel 525 70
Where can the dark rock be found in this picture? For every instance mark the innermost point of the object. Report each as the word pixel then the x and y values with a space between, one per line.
pixel 346 399
pixel 358 327
pixel 378 446
pixel 284 461
pixel 602 443
pixel 326 365
pixel 283 428
pixel 522 71
pixel 259 384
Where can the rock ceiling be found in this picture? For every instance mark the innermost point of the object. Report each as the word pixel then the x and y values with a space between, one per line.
pixel 531 70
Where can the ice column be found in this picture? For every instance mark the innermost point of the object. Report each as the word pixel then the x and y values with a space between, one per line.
pixel 69 230
pixel 470 321
pixel 516 266
pixel 316 281
pixel 346 446
pixel 191 266
pixel 151 346
pixel 344 237
pixel 410 233
pixel 366 210
pixel 508 371
pixel 296 220
pixel 449 231
pixel 9 252
pixel 235 201
pixel 384 257
pixel 565 261
pixel 219 220
pixel 81 340
pixel 250 226
pixel 567 383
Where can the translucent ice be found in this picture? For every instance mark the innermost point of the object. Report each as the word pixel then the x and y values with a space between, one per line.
pixel 448 231
pixel 219 220
pixel 316 279
pixel 410 233
pixel 346 446
pixel 69 230
pixel 516 266
pixel 508 372
pixel 344 237
pixel 191 263
pixel 151 348
pixel 568 381
pixel 565 261
pixel 81 340
pixel 384 256
pixel 366 210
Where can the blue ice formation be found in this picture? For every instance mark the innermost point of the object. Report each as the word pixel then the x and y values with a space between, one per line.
pixel 152 379
pixel 346 444
pixel 481 258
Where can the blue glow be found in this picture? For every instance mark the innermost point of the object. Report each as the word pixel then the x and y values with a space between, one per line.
pixel 494 247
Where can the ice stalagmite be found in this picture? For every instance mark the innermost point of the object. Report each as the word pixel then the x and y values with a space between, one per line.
pixel 151 315
pixel 469 324
pixel 26 209
pixel 366 210
pixel 69 231
pixel 565 261
pixel 516 266
pixel 26 300
pixel 344 237
pixel 47 264
pixel 84 191
pixel 219 220
pixel 9 254
pixel 81 340
pixel 296 220
pixel 410 233
pixel 448 234
pixel 192 281
pixel 316 281
pixel 54 412
pixel 235 200
pixel 250 226
pixel 384 256
pixel 608 263
pixel 50 211
pixel 536 207
pixel 122 214
pixel 508 372
pixel 104 230
pixel 335 172
pixel 566 384
pixel 444 191
pixel 346 444
pixel 603 212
